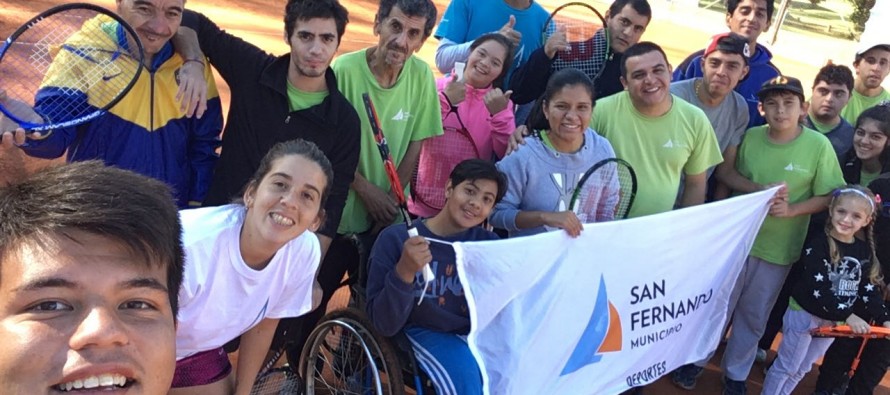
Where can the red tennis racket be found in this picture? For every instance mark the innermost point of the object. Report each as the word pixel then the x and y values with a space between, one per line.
pixel 393 176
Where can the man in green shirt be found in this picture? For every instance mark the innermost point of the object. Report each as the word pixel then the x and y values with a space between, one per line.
pixel 872 66
pixel 403 90
pixel 660 135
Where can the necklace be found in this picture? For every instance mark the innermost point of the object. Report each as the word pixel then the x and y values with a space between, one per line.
pixel 698 83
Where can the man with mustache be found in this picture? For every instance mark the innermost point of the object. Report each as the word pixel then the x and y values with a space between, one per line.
pixel 748 18
pixel 872 65
pixel 725 63
pixel 403 91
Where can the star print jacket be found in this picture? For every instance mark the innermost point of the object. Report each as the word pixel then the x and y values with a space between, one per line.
pixel 834 291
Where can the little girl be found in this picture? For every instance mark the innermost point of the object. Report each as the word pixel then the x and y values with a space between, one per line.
pixel 473 106
pixel 840 275
pixel 862 165
pixel 249 264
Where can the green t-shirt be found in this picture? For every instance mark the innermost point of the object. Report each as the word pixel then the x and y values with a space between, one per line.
pixel 408 111
pixel 808 165
pixel 859 103
pixel 301 100
pixel 865 178
pixel 659 149
pixel 820 127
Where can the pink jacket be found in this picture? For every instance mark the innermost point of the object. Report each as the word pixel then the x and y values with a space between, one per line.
pixel 489 133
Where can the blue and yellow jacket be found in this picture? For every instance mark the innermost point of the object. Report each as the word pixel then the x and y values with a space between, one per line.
pixel 145 132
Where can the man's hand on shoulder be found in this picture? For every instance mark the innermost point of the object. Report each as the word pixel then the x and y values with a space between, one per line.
pixel 192 93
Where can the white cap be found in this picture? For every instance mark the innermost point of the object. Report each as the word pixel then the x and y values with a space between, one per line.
pixel 868 45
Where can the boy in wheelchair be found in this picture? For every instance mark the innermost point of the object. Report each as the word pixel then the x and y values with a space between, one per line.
pixel 437 321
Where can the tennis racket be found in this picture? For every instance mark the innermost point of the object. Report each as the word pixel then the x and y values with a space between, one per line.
pixel 66 66
pixel 438 157
pixel 276 381
pixel 587 38
pixel 877 332
pixel 393 176
pixel 606 191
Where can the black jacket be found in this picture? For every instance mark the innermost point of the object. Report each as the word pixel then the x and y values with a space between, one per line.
pixel 529 81
pixel 259 117
pixel 833 292
pixel 851 166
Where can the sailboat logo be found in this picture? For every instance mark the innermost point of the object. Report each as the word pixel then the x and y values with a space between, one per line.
pixel 602 334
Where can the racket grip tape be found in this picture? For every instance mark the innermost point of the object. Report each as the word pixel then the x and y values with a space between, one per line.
pixel 427 273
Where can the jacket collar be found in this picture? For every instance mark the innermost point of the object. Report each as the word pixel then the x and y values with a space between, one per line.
pixel 274 77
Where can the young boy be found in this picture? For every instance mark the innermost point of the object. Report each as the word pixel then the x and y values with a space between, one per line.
pixel 781 152
pixel 90 268
pixel 438 325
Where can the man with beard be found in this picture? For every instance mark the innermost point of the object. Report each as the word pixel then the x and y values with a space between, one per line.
pixel 660 135
pixel 404 94
pixel 872 65
pixel 280 98
pixel 725 63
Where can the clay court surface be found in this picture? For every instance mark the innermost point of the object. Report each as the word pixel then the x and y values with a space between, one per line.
pixel 679 30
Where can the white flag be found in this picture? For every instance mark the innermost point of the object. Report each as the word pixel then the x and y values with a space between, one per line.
pixel 619 306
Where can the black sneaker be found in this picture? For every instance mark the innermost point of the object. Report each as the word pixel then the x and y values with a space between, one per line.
pixel 734 387
pixel 686 376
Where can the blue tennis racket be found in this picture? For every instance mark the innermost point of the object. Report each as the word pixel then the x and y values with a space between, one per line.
pixel 67 66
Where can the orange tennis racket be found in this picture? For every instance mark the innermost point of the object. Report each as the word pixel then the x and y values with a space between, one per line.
pixel 876 332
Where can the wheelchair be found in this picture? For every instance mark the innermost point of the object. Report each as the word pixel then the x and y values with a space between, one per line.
pixel 345 355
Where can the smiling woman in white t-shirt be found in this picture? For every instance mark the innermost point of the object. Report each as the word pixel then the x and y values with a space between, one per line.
pixel 248 264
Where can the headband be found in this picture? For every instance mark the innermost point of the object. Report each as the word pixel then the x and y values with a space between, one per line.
pixel 838 192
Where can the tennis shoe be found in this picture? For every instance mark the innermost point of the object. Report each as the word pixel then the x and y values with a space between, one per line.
pixel 734 387
pixel 686 376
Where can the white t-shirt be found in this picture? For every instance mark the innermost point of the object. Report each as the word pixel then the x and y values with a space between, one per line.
pixel 221 297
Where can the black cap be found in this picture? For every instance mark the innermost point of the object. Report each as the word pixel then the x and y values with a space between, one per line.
pixel 782 83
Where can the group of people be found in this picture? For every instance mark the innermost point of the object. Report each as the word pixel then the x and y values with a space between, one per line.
pixel 256 250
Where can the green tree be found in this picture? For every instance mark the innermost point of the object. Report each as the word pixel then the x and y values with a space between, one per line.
pixel 861 12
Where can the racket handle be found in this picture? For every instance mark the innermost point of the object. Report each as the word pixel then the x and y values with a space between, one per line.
pixel 428 274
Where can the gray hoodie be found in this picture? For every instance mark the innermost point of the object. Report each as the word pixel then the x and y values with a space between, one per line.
pixel 542 179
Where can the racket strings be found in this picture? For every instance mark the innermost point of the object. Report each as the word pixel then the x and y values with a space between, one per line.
pixel 279 381
pixel 606 194
pixel 67 65
pixel 438 157
pixel 588 46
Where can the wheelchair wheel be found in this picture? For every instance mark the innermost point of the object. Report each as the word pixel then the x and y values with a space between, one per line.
pixel 343 355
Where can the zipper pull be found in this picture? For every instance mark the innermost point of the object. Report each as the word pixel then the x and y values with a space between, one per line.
pixel 287 120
